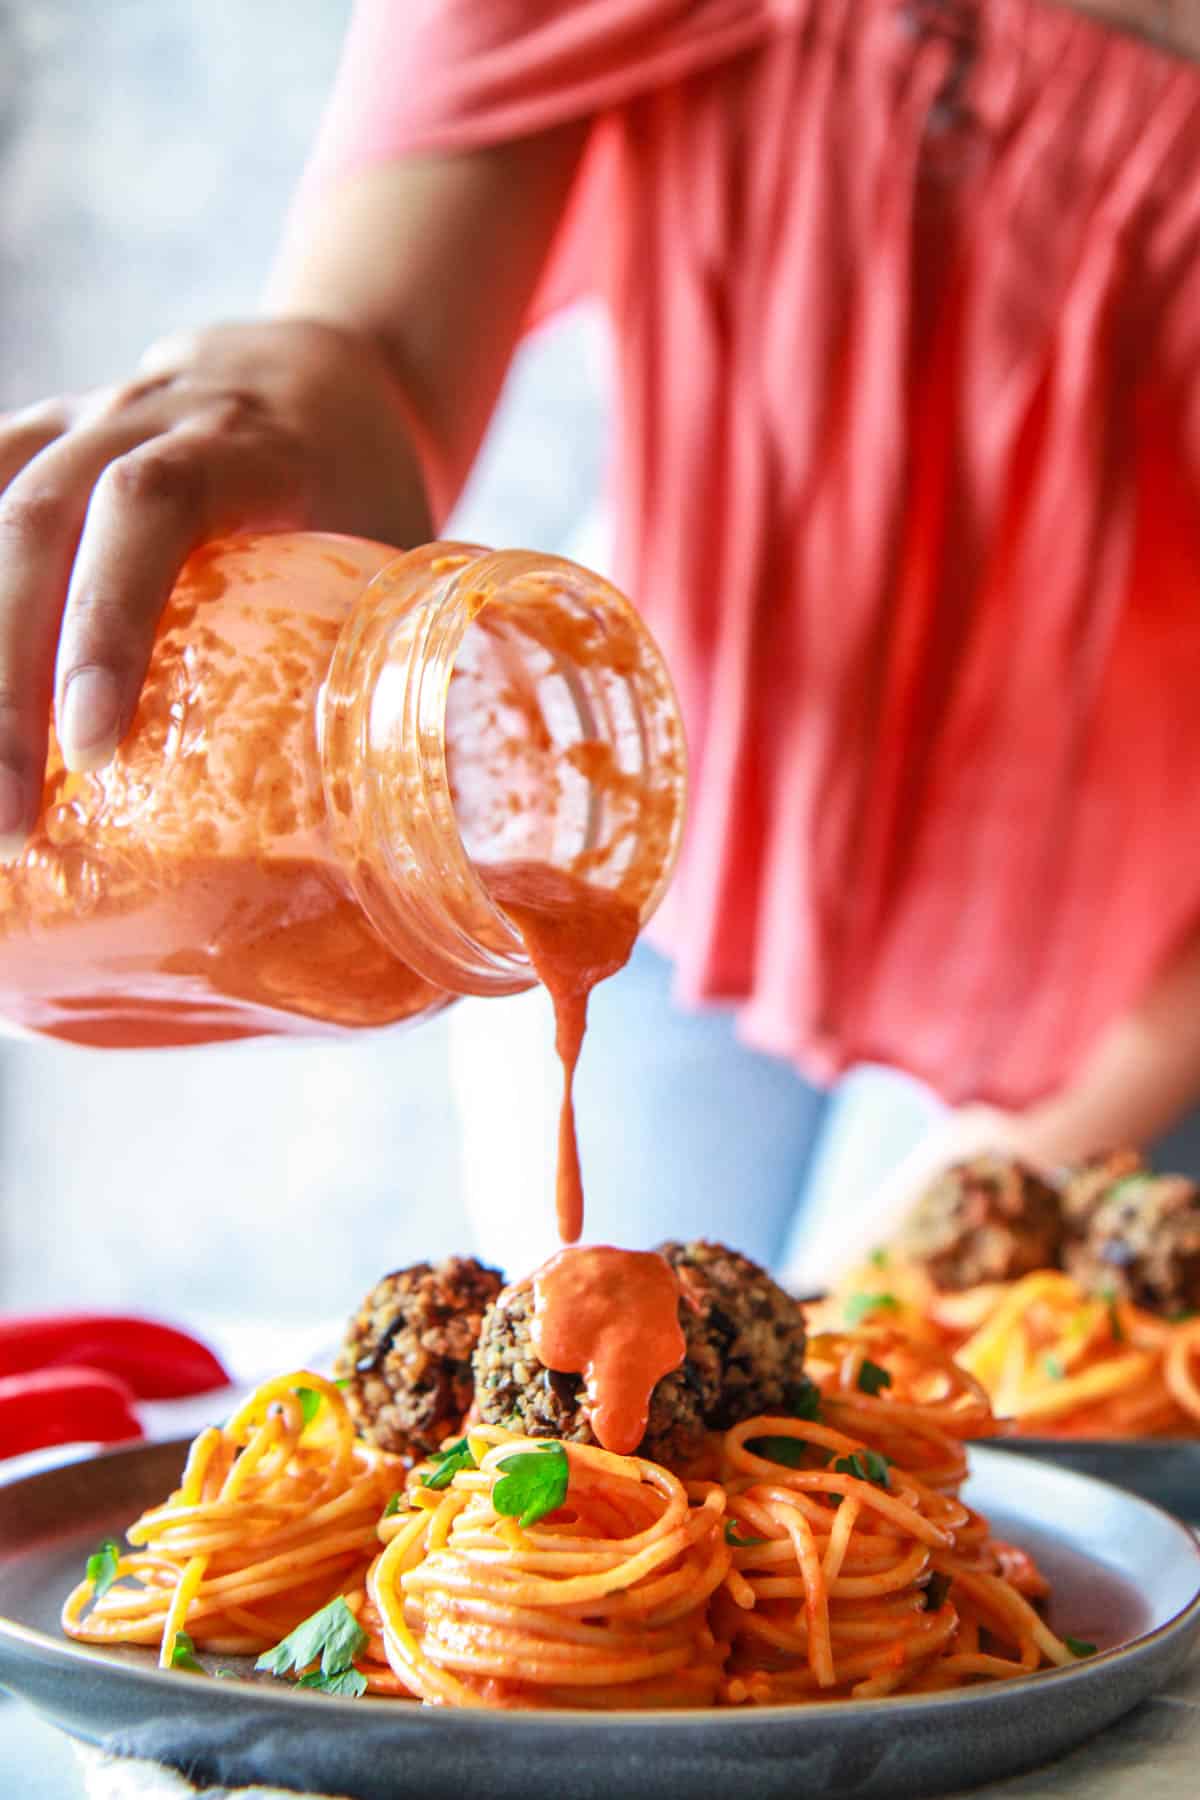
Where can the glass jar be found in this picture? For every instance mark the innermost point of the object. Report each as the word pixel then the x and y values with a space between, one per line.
pixel 334 743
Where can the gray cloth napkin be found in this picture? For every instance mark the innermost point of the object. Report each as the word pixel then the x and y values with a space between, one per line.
pixel 118 1778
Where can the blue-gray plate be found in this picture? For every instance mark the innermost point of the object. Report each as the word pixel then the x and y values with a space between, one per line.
pixel 1165 1470
pixel 1125 1576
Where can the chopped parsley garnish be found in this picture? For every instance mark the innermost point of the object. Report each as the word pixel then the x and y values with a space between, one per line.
pixel 860 1306
pixel 395 1504
pixel 349 1683
pixel 343 1381
pixel 739 1543
pixel 867 1465
pixel 879 1259
pixel 533 1484
pixel 936 1589
pixel 333 1638
pixel 102 1567
pixel 457 1456
pixel 1053 1368
pixel 871 1377
pixel 1181 1318
pixel 1079 1646
pixel 804 1399
pixel 1114 1320
pixel 183 1652
pixel 310 1403
pixel 786 1450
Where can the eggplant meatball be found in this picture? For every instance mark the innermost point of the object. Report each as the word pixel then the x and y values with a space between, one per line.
pixel 744 1354
pixel 987 1219
pixel 1141 1241
pixel 754 1327
pixel 1088 1183
pixel 406 1361
pixel 515 1389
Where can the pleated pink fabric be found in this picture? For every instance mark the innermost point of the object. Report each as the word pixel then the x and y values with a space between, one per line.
pixel 907 471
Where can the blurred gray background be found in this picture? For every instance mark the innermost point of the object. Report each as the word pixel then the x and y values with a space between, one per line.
pixel 147 151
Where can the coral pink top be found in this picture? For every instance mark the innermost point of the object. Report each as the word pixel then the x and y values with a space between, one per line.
pixel 907 303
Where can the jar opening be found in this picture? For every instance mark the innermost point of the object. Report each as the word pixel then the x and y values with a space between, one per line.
pixel 512 709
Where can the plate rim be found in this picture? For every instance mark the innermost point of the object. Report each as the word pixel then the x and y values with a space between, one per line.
pixel 40 1645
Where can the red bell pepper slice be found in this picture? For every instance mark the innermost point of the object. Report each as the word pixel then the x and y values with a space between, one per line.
pixel 157 1362
pixel 64 1406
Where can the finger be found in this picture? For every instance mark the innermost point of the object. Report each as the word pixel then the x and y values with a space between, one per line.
pixel 29 525
pixel 42 510
pixel 150 510
pixel 24 434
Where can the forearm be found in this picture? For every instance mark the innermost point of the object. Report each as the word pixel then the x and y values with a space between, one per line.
pixel 433 261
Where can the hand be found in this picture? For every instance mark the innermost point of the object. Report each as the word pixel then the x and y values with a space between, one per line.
pixel 960 1136
pixel 278 425
pixel 843 1238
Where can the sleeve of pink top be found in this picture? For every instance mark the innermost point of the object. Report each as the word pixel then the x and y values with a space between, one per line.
pixel 456 74
pixel 420 76
pixel 428 76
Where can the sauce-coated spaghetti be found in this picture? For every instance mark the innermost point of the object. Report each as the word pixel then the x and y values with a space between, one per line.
pixel 273 1516
pixel 803 1558
pixel 1054 1360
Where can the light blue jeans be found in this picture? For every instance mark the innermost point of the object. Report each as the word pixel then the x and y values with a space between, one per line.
pixel 684 1132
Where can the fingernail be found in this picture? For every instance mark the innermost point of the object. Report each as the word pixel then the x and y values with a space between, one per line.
pixel 14 818
pixel 89 719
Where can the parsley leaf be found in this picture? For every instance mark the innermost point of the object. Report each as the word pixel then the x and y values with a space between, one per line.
pixel 1114 1323
pixel 786 1450
pixel 871 1377
pixel 395 1504
pixel 183 1652
pixel 936 1589
pixel 450 1461
pixel 1181 1318
pixel 350 1684
pixel 860 1306
pixel 333 1636
pixel 534 1483
pixel 879 1259
pixel 1079 1646
pixel 739 1543
pixel 804 1399
pixel 867 1465
pixel 310 1403
pixel 102 1567
pixel 343 1382
pixel 1053 1368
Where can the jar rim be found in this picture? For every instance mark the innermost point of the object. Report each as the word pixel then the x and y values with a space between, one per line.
pixel 390 684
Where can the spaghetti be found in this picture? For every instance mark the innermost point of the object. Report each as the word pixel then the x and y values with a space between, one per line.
pixel 1054 1360
pixel 801 1558
pixel 601 1604
pixel 275 1514
pixel 857 1570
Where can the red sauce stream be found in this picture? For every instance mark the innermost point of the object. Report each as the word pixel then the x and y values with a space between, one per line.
pixel 611 1316
pixel 576 935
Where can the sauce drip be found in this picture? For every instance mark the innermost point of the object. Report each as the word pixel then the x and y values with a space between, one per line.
pixel 576 936
pixel 611 1316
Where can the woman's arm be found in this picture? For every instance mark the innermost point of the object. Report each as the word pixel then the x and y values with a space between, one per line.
pixel 433 261
pixel 393 315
